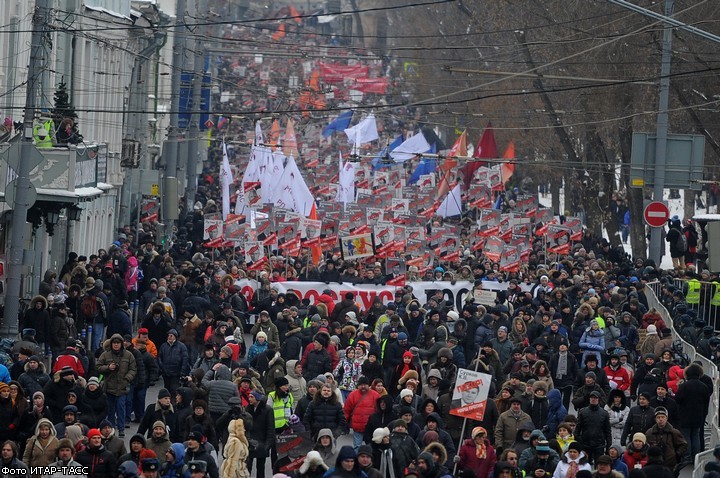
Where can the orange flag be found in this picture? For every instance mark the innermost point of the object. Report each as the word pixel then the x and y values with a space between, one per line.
pixel 460 146
pixel 289 143
pixel 280 33
pixel 295 15
pixel 315 251
pixel 446 168
pixel 274 134
pixel 508 168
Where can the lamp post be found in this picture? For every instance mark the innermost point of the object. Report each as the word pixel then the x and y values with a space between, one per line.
pixel 74 214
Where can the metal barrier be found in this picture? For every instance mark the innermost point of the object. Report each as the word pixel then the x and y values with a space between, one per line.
pixel 702 303
pixel 712 433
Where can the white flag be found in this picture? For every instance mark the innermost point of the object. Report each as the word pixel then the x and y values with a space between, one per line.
pixel 411 147
pixel 226 179
pixel 452 204
pixel 292 192
pixel 258 134
pixel 346 182
pixel 363 132
pixel 271 170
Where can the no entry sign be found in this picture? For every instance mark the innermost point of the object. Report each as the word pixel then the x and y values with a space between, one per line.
pixel 656 214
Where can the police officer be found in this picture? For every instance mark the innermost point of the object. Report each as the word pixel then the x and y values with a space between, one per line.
pixel 150 468
pixel 198 469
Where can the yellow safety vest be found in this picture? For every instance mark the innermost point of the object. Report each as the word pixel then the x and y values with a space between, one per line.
pixel 715 301
pixel 693 292
pixel 46 140
pixel 282 409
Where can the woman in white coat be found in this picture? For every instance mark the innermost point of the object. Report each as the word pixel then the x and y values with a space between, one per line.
pixel 618 411
pixel 572 461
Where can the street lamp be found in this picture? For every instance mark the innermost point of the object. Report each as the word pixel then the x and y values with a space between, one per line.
pixel 74 212
pixel 52 217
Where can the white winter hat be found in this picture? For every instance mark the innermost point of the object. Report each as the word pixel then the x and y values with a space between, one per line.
pixel 651 330
pixel 405 393
pixel 379 434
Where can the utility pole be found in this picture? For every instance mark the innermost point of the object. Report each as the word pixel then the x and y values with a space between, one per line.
pixel 657 245
pixel 201 6
pixel 170 153
pixel 24 191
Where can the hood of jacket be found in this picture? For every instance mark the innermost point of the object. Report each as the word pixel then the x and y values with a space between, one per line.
pixel 290 366
pixel 527 426
pixel 107 345
pixel 39 370
pixel 554 399
pixel 326 432
pixel 38 298
pixel 223 373
pixel 438 448
pixel 388 404
pixel 45 421
pixel 179 451
pixel 186 394
pixel 581 460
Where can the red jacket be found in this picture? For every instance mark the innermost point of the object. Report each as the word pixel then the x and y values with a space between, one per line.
pixel 358 408
pixel 619 376
pixel 470 461
pixel 69 358
pixel 329 302
pixel 632 457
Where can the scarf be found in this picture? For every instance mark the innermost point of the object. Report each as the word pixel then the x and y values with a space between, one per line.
pixel 562 365
pixel 572 470
pixel 386 464
pixel 481 451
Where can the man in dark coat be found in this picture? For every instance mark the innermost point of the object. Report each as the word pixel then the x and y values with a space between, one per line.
pixel 262 431
pixel 639 419
pixel 173 361
pixel 158 323
pixel 318 360
pixel 100 462
pixel 693 398
pixel 593 428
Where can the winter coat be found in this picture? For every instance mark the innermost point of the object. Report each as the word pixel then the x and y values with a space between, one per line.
pixel 270 330
pixel 263 429
pixel 347 373
pixel 639 419
pixel 220 389
pixel 671 441
pixel 178 468
pixel 631 457
pixel 100 462
pixel 203 454
pixel 618 416
pixel 291 348
pixel 152 370
pixel 564 465
pixel 235 452
pixel 255 350
pixel 56 391
pixel 573 370
pixel 341 309
pixel 381 418
pixel 404 451
pixel 556 411
pixel 38 319
pixel 592 342
pixel 593 428
pixel 298 384
pixel 33 380
pixel 173 360
pixel 693 398
pixel 318 362
pixel 618 376
pixel 208 427
pixel 325 413
pixel 116 445
pixel 470 461
pixel 95 407
pixel 37 453
pixel 358 408
pixel 507 427
pixel 159 446
pixel 155 412
pixel 117 382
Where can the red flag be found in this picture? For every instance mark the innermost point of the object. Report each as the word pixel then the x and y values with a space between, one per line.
pixel 315 250
pixel 460 146
pixel 508 168
pixel 486 148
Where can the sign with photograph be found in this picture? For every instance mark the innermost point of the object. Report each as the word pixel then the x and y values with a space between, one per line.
pixel 470 394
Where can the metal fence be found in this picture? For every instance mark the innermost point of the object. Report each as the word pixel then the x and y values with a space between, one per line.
pixel 703 301
pixel 712 433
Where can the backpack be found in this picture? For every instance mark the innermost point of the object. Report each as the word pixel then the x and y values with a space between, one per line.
pixel 681 244
pixel 89 306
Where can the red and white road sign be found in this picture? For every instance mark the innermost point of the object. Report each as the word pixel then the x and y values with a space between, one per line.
pixel 656 214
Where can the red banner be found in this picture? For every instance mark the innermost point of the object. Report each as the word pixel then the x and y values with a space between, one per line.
pixel 336 73
pixel 371 85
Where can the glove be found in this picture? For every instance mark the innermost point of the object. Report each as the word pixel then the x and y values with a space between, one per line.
pixel 456 459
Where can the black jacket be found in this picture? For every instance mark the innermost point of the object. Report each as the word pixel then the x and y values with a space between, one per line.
pixel 593 428
pixel 100 462
pixel 323 413
pixel 263 429
pixel 639 420
pixel 203 455
pixel 693 398
pixel 573 371
pixel 318 362
pixel 379 419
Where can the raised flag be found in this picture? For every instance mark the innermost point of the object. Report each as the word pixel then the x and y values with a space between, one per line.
pixel 486 149
pixel 226 179
pixel 363 132
pixel 452 204
pixel 292 192
pixel 411 147
pixel 426 166
pixel 316 249
pixel 460 146
pixel 508 168
pixel 346 183
pixel 340 123
pixel 289 143
pixel 377 160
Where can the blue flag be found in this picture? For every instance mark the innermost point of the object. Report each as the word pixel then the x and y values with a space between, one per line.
pixel 425 167
pixel 338 124
pixel 377 161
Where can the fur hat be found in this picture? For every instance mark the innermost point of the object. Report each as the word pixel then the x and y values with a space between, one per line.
pixel 540 385
pixel 407 376
pixel 445 352
pixel 313 458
